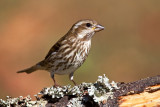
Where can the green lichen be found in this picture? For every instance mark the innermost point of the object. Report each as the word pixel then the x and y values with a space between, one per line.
pixel 99 91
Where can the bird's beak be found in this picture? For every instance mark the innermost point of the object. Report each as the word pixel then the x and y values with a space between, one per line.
pixel 97 28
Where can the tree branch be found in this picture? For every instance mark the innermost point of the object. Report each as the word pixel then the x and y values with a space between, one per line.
pixel 144 92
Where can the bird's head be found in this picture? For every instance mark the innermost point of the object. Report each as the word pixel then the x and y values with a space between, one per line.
pixel 85 29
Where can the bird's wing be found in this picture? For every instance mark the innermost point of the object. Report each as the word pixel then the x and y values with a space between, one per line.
pixel 55 47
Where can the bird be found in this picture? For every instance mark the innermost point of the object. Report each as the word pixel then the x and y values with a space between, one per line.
pixel 69 52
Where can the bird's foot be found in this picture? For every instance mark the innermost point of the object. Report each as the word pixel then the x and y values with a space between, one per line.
pixel 56 85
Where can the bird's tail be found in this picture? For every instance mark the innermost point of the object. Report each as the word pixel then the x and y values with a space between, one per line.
pixel 31 69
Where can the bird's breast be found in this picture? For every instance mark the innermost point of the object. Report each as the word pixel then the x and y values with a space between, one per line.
pixel 71 59
pixel 81 53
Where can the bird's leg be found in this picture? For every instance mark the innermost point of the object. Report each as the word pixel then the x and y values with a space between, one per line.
pixel 52 76
pixel 71 78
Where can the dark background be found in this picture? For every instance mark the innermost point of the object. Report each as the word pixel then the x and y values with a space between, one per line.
pixel 127 50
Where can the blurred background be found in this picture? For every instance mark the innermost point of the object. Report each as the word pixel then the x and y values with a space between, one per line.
pixel 127 50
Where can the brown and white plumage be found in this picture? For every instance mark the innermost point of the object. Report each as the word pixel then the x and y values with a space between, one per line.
pixel 70 52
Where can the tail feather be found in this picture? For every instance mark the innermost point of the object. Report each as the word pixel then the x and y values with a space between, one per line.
pixel 29 70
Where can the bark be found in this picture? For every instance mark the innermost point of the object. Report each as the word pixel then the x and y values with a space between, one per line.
pixel 144 92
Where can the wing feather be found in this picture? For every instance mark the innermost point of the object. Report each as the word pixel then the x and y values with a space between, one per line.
pixel 55 47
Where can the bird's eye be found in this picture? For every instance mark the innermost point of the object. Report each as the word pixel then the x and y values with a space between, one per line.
pixel 88 25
